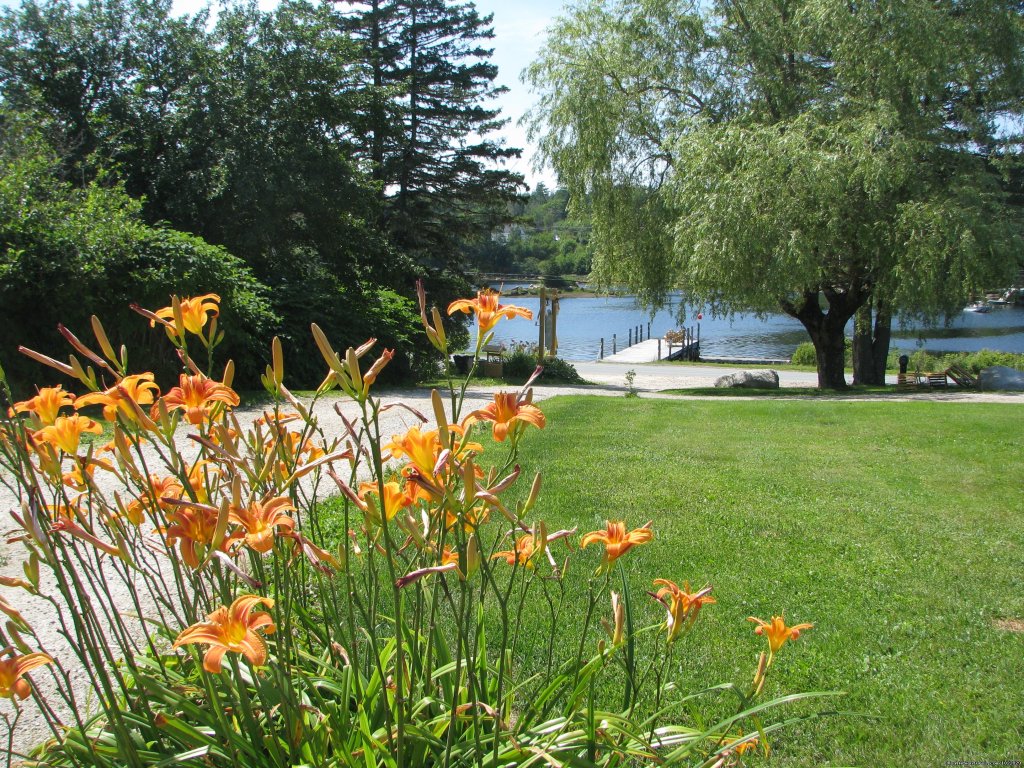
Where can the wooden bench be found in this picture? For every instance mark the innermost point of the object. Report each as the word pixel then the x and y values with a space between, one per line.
pixel 921 380
pixel 963 377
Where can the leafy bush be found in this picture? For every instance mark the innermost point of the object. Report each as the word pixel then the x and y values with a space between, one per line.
pixel 259 634
pixel 926 361
pixel 67 253
pixel 520 361
pixel 804 354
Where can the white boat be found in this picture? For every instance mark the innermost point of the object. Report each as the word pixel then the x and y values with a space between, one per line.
pixel 978 306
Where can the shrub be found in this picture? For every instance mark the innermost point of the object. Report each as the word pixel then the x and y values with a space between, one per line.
pixel 520 361
pixel 804 354
pixel 927 361
pixel 259 634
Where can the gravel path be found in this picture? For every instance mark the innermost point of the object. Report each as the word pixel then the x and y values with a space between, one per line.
pixel 609 380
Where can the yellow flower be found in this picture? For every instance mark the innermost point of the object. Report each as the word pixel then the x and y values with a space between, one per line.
pixel 522 552
pixel 261 519
pixel 47 404
pixel 13 669
pixel 66 432
pixel 194 312
pixel 488 311
pixel 682 606
pixel 197 396
pixel 232 629
pixel 616 541
pixel 777 632
pixel 506 410
pixel 139 389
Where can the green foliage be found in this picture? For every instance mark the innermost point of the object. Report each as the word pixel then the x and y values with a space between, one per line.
pixel 424 127
pixel 805 354
pixel 925 361
pixel 519 363
pixel 248 132
pixel 67 253
pixel 543 239
pixel 766 156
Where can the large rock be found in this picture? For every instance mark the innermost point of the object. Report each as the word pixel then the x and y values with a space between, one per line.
pixel 1000 377
pixel 750 380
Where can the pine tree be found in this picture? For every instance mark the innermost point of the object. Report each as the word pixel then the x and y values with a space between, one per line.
pixel 426 83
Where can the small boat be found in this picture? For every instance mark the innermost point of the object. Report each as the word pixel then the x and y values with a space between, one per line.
pixel 978 306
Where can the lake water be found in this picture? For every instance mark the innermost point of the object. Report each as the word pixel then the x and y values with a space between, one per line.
pixel 582 322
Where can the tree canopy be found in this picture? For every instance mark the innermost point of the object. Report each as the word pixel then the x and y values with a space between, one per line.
pixel 814 156
pixel 249 131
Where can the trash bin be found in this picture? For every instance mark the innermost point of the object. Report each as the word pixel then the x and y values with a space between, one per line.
pixel 462 363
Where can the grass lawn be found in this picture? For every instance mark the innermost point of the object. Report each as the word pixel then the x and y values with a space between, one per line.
pixel 897 528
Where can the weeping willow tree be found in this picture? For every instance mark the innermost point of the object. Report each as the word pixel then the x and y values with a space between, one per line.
pixel 827 159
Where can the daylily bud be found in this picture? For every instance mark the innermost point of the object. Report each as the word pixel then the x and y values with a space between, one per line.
pixel 352 369
pixel 277 354
pixel 441 418
pixel 326 349
pixel 179 318
pixel 101 338
pixel 619 614
pixel 439 328
pixel 365 347
pixel 371 375
pixel 472 556
pixel 534 492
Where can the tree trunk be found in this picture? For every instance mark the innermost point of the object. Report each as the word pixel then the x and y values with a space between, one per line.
pixel 871 345
pixel 827 330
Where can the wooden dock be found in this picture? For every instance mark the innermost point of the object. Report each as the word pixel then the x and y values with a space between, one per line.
pixel 652 350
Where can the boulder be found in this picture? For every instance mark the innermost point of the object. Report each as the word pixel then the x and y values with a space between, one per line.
pixel 750 380
pixel 1001 377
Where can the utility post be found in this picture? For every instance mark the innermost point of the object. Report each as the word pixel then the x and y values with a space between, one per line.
pixel 541 318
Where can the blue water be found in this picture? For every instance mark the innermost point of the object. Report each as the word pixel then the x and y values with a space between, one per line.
pixel 583 322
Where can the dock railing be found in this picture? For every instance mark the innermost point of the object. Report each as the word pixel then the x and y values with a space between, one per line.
pixel 683 344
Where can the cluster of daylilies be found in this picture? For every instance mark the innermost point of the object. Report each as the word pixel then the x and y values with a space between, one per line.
pixel 220 544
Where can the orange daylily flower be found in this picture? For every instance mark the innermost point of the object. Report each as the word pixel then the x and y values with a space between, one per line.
pixel 80 477
pixel 506 411
pixel 138 388
pixel 232 629
pixel 197 396
pixel 261 519
pixel 421 448
pixel 46 404
pixel 487 309
pixel 65 432
pixel 471 520
pixel 682 606
pixel 524 550
pixel 616 540
pixel 395 498
pixel 159 489
pixel 13 669
pixel 777 632
pixel 194 312
pixel 192 528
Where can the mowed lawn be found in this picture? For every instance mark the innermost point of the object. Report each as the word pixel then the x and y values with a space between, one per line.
pixel 896 528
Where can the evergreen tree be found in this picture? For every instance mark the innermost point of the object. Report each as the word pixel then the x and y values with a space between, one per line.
pixel 426 80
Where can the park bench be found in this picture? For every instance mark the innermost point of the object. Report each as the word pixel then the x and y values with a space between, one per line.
pixel 963 377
